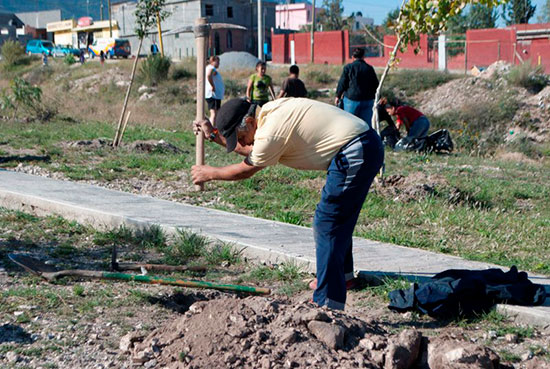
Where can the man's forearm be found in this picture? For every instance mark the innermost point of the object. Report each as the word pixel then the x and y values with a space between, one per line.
pixel 233 172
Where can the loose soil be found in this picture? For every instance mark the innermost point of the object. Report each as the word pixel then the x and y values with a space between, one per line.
pixel 93 324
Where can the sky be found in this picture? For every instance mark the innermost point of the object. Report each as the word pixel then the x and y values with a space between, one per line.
pixel 378 9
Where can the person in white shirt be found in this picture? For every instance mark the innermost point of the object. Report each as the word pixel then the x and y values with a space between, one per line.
pixel 214 88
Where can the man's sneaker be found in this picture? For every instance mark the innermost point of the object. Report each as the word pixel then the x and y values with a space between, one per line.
pixel 350 284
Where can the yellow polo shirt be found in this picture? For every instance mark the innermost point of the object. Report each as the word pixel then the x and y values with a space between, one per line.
pixel 302 133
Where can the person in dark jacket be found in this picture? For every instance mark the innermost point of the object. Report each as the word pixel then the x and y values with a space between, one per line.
pixel 293 85
pixel 357 87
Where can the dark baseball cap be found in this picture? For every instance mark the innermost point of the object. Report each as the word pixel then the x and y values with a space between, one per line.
pixel 228 118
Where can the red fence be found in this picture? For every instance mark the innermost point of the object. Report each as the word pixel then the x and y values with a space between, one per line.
pixel 514 44
pixel 329 48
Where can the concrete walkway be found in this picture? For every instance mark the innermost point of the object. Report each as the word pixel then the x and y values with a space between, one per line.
pixel 263 239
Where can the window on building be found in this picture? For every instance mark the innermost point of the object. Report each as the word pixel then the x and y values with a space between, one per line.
pixel 209 10
pixel 229 39
pixel 177 35
pixel 308 16
pixel 356 25
pixel 229 12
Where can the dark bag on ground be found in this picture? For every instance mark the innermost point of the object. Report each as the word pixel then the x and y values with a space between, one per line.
pixel 439 141
pixel 461 292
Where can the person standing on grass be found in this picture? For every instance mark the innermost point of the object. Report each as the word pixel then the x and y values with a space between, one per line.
pixel 293 86
pixel 44 59
pixel 214 87
pixel 309 135
pixel 357 87
pixel 415 122
pixel 259 86
pixel 101 57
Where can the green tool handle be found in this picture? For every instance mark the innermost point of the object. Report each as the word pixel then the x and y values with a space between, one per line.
pixel 156 280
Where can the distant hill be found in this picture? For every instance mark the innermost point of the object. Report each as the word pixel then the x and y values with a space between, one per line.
pixel 69 8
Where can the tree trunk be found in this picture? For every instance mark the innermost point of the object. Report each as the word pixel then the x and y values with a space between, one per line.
pixel 123 112
pixel 393 54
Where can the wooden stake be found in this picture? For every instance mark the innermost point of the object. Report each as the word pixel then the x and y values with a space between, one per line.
pixel 202 29
pixel 123 128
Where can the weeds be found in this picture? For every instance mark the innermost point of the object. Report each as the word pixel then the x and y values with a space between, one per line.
pixel 528 76
pixel 233 88
pixel 150 237
pixel 13 54
pixel 412 82
pixel 154 69
pixel 180 72
pixel 319 77
pixel 69 59
pixel 25 101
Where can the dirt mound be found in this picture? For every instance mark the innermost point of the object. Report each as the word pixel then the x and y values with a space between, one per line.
pixel 532 118
pixel 155 146
pixel 262 333
pixel 238 60
pixel 96 143
pixel 93 82
pixel 496 70
pixel 413 187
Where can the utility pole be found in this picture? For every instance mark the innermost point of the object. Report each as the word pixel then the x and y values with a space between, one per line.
pixel 160 34
pixel 312 27
pixel 110 20
pixel 260 32
pixel 101 9
pixel 88 8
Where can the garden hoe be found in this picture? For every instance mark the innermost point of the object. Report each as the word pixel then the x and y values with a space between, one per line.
pixel 118 267
pixel 50 274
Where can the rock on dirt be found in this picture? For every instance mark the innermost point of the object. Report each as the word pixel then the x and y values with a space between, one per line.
pixel 404 352
pixel 331 335
pixel 444 353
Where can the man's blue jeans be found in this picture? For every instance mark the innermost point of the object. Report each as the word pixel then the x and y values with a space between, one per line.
pixel 361 109
pixel 349 177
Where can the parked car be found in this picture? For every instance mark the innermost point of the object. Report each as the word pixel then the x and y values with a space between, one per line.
pixel 39 47
pixel 111 47
pixel 62 50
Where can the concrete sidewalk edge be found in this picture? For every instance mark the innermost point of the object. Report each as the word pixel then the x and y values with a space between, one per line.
pixel 104 220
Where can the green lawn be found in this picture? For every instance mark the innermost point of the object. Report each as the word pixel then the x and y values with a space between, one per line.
pixel 481 209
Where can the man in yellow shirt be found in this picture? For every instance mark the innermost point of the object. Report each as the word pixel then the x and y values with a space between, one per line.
pixel 305 134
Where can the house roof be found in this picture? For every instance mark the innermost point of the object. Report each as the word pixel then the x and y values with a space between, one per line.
pixel 7 19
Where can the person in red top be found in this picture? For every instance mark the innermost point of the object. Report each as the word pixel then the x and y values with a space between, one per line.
pixel 416 123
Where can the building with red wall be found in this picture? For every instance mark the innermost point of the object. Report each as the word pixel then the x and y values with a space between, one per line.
pixel 514 44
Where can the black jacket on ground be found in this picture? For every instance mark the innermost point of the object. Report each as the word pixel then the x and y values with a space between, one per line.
pixel 358 81
pixel 461 292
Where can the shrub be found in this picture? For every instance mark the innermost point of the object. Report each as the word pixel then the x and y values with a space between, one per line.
pixel 180 73
pixel 479 128
pixel 69 59
pixel 13 54
pixel 319 77
pixel 25 101
pixel 154 69
pixel 234 88
pixel 413 81
pixel 528 76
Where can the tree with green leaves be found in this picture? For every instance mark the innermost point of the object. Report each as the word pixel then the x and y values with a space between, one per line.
pixel 330 15
pixel 518 11
pixel 480 17
pixel 544 16
pixel 147 12
pixel 417 17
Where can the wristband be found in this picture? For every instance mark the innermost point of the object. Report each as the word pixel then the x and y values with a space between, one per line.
pixel 213 135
